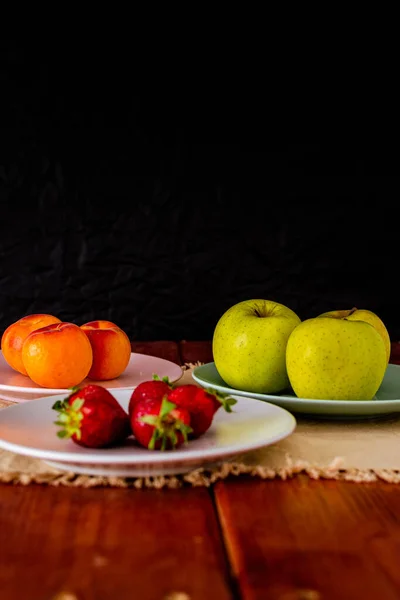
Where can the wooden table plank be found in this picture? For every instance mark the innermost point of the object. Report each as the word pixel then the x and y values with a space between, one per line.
pixel 111 543
pixel 169 350
pixel 395 353
pixel 192 352
pixel 101 544
pixel 312 540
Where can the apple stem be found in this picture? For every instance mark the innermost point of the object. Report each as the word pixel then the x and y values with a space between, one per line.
pixel 353 310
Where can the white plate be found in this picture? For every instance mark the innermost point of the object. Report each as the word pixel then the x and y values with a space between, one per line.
pixel 141 367
pixel 29 429
pixel 386 401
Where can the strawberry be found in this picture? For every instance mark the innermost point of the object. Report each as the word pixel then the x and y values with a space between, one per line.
pixel 202 404
pixel 158 424
pixel 92 417
pixel 154 388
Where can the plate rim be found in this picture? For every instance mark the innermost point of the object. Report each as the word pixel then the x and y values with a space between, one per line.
pixel 171 456
pixel 51 391
pixel 293 399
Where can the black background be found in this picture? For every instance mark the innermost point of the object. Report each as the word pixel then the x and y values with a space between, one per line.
pixel 159 207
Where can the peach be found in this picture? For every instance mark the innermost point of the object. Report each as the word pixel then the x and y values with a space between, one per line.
pixel 111 349
pixel 15 335
pixel 57 356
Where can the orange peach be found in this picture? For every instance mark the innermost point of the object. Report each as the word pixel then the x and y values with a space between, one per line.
pixel 111 349
pixel 15 335
pixel 57 356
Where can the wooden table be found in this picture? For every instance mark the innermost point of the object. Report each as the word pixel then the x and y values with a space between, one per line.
pixel 244 538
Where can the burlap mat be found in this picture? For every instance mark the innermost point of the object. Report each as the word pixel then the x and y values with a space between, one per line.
pixel 359 451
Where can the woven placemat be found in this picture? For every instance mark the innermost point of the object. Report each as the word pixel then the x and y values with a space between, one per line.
pixel 358 451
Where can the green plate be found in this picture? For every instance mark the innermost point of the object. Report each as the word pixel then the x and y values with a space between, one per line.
pixel 386 401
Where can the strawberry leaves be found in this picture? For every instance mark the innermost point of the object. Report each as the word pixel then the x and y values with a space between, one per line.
pixel 160 424
pixel 225 400
pixel 70 417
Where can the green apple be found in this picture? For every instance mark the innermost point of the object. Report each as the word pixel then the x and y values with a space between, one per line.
pixel 249 345
pixel 335 359
pixel 361 314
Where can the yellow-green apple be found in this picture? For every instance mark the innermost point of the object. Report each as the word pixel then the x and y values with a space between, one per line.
pixel 111 349
pixel 249 345
pixel 361 314
pixel 335 359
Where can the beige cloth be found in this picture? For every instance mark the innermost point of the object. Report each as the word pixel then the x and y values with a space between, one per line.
pixel 361 451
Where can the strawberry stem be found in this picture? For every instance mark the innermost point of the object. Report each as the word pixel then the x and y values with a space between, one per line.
pixel 226 401
pixel 69 417
pixel 165 426
pixel 164 379
pixel 166 407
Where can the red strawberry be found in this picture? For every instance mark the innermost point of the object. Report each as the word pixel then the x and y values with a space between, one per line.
pixel 155 388
pixel 92 417
pixel 158 424
pixel 202 405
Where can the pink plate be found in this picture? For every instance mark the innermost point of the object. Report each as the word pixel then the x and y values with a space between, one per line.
pixel 141 367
